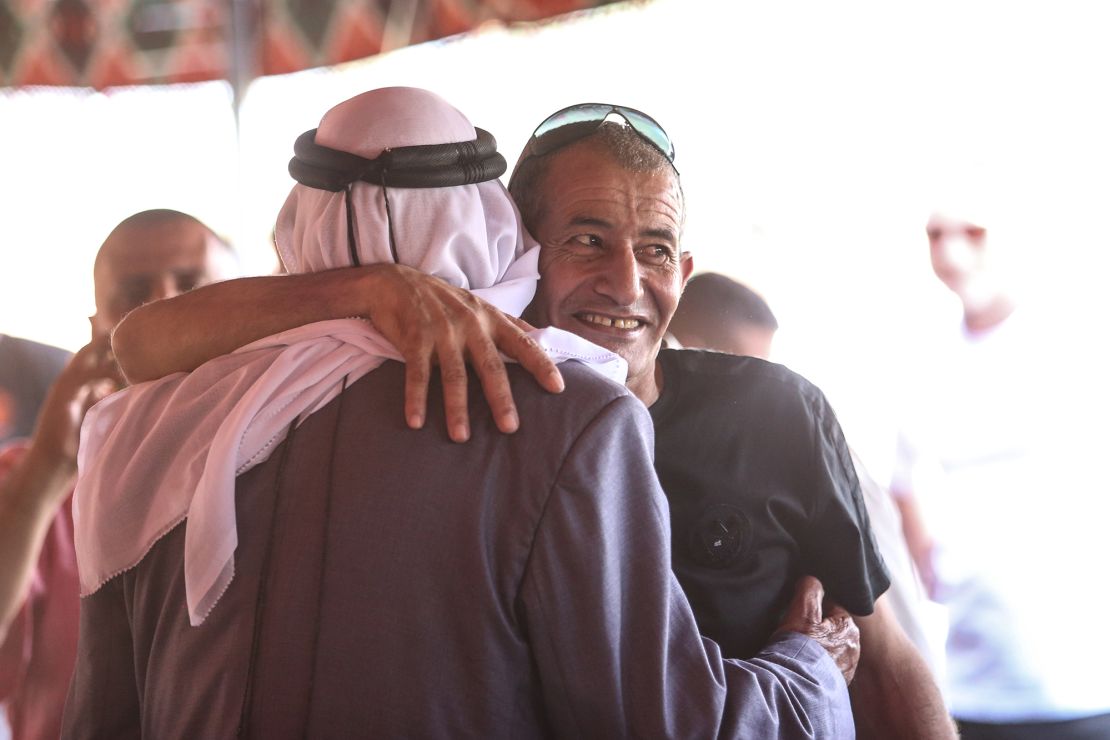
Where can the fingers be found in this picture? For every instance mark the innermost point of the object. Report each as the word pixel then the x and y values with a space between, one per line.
pixel 432 322
pixel 519 323
pixel 835 630
pixel 515 343
pixel 93 364
pixel 431 337
pixel 842 641
pixel 417 376
pixel 89 395
pixel 100 390
pixel 417 353
pixel 490 367
pixel 804 612
pixel 806 604
pixel 452 370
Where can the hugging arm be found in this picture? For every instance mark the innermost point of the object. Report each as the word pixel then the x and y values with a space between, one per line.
pixel 426 319
pixel 613 636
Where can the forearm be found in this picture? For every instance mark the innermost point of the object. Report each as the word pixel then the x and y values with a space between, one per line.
pixel 182 333
pixel 611 671
pixel 426 319
pixel 29 500
pixel 894 694
pixel 918 540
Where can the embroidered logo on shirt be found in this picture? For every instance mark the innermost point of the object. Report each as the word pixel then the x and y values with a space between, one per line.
pixel 721 536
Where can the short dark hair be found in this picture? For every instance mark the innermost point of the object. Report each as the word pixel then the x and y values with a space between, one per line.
pixel 621 142
pixel 156 216
pixel 713 304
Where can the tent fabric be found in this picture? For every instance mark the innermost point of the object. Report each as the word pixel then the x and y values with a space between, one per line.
pixel 104 43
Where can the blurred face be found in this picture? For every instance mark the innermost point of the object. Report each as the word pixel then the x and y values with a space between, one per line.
pixel 743 339
pixel 957 250
pixel 611 269
pixel 143 263
pixel 752 340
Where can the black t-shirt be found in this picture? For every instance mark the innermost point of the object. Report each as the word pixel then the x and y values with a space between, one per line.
pixel 761 490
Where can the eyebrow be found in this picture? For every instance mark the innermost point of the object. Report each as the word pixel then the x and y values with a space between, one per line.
pixel 657 232
pixel 660 233
pixel 590 221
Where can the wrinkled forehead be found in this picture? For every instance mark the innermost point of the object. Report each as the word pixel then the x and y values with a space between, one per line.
pixel 586 169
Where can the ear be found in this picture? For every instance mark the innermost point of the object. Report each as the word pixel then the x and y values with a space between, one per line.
pixel 686 266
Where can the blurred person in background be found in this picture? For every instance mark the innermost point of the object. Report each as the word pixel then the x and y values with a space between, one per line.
pixel 721 314
pixel 27 370
pixel 735 450
pixel 1000 477
pixel 150 255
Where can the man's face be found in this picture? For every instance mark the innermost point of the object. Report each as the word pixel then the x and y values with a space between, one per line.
pixel 956 249
pixel 610 266
pixel 143 263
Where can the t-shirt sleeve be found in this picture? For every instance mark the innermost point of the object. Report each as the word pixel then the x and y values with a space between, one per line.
pixel 840 548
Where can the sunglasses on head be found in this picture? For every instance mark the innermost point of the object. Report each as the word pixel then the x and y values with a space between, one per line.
pixel 570 125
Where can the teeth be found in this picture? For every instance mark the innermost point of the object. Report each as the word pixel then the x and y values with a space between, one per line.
pixel 593 318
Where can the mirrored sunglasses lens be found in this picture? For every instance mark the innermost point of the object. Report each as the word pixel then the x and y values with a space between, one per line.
pixel 574 114
pixel 650 130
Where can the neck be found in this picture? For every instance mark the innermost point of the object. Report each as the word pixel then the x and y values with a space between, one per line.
pixel 648 386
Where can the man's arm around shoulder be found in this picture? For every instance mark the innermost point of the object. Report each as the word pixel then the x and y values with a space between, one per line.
pixel 613 635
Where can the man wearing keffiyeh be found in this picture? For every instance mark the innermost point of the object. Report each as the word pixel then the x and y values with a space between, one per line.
pixel 266 549
pixel 598 187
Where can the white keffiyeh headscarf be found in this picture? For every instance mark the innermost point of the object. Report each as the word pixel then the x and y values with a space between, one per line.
pixel 169 450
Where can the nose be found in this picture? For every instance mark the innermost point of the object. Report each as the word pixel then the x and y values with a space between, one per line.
pixel 620 279
pixel 164 286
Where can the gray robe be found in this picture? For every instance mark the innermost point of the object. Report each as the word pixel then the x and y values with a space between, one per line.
pixel 391 583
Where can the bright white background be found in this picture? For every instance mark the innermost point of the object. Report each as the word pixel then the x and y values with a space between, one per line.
pixel 810 135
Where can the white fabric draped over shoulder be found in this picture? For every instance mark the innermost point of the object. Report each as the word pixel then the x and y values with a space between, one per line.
pixel 162 452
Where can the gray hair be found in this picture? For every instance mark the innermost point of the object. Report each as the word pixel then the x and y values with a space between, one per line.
pixel 621 142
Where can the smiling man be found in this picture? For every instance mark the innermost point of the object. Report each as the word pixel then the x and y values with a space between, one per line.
pixel 311 582
pixel 756 471
pixel 611 264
